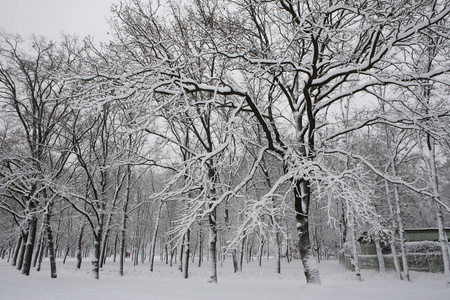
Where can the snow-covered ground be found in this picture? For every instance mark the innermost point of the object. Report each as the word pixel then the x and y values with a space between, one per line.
pixel 254 282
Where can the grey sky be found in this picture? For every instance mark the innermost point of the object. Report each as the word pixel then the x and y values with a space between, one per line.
pixel 53 17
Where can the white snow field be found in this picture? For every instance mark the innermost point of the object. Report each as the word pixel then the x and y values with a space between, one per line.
pixel 254 283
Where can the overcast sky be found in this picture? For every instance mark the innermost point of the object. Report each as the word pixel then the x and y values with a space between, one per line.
pixel 53 17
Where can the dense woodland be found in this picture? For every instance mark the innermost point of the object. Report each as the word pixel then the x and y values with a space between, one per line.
pixel 214 131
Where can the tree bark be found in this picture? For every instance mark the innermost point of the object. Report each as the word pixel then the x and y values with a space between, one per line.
pixel 41 255
pixel 104 244
pixel 381 265
pixel 23 245
pixel 39 245
pixel 260 251
pixel 187 238
pixel 278 251
pixel 200 245
pixel 394 233
pixel 235 260
pixel 116 239
pixel 51 247
pixel 443 240
pixel 97 244
pixel 155 234
pixel 17 248
pixel 79 245
pixel 124 219
pixel 302 196
pixel 401 231
pixel 355 261
pixel 241 253
pixel 180 255
pixel 30 245
pixel 212 247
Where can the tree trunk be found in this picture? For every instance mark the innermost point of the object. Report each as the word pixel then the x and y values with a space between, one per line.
pixel 17 248
pixel 136 255
pixel 355 261
pixel 166 254
pixel 41 255
pixel 143 249
pixel 200 246
pixel 212 247
pixel 187 238
pixel 302 194
pixel 50 244
pixel 260 251
pixel 79 245
pixel 30 245
pixel 116 239
pixel 104 245
pixel 401 232
pixel 241 253
pixel 51 247
pixel 278 251
pixel 172 252
pixel 180 255
pixel 39 245
pixel 155 234
pixel 193 253
pixel 394 230
pixel 9 253
pixel 381 265
pixel 22 250
pixel 235 260
pixel 97 244
pixel 439 215
pixel 124 220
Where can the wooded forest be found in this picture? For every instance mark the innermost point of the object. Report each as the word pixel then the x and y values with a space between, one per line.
pixel 215 131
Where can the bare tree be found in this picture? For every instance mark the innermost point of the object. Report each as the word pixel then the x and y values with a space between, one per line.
pixel 35 92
